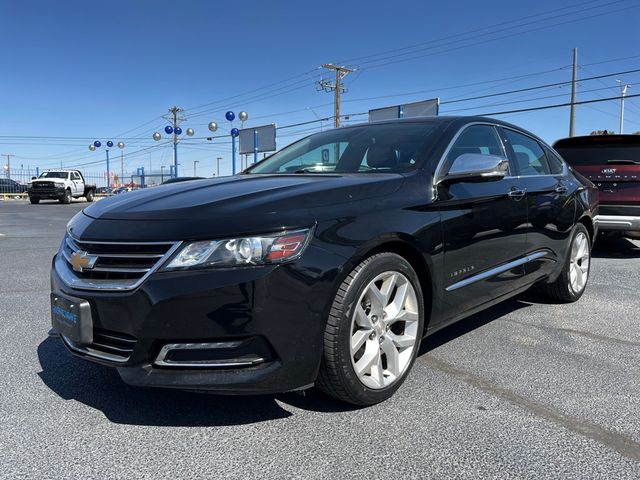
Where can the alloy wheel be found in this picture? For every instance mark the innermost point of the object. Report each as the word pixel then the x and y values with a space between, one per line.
pixel 579 262
pixel 384 330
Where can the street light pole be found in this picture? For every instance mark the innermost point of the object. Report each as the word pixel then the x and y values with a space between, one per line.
pixel 195 162
pixel 162 167
pixel 623 92
pixel 218 167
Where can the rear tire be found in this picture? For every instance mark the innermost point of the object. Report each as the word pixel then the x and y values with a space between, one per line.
pixel 572 282
pixel 66 198
pixel 89 196
pixel 373 332
pixel 34 201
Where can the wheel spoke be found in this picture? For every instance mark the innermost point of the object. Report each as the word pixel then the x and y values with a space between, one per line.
pixel 358 338
pixel 403 316
pixel 401 341
pixel 377 373
pixel 361 318
pixel 387 287
pixel 371 356
pixel 393 309
pixel 376 297
pixel 392 355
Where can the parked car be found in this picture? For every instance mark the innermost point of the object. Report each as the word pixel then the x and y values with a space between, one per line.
pixel 103 190
pixel 61 185
pixel 8 185
pixel 326 263
pixel 612 162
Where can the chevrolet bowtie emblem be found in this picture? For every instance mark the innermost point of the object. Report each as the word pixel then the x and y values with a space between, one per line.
pixel 82 261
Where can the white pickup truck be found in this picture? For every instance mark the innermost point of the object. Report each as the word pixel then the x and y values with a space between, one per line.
pixel 61 185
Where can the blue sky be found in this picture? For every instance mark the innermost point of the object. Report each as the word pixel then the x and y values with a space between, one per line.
pixel 110 70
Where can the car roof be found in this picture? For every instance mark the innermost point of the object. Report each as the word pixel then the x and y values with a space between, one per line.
pixel 455 121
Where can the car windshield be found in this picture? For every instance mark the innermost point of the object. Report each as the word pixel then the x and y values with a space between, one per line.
pixel 54 175
pixel 378 148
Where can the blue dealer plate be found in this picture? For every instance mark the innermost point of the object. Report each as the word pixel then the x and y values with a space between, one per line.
pixel 71 317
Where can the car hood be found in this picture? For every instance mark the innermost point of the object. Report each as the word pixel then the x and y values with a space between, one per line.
pixel 233 205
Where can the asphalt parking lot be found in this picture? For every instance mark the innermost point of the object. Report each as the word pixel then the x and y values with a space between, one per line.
pixel 526 389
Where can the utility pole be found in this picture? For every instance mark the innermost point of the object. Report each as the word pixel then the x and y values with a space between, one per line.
pixel 574 81
pixel 218 167
pixel 121 167
pixel 623 92
pixel 174 111
pixel 8 155
pixel 195 162
pixel 337 87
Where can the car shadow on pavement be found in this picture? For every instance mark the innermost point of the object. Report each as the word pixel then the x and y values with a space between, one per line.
pixel 478 320
pixel 620 247
pixel 101 388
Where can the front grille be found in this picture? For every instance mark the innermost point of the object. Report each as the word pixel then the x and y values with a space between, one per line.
pixel 109 266
pixel 107 345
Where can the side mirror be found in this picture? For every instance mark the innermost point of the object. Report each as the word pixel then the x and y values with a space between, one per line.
pixel 475 167
pixel 34 178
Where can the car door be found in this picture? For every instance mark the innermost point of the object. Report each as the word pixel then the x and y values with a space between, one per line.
pixel 549 196
pixel 484 228
pixel 78 185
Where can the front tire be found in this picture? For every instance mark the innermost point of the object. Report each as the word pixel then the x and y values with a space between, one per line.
pixel 572 282
pixel 34 201
pixel 373 332
pixel 66 198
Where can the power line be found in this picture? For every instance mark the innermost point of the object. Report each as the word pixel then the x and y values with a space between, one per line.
pixel 558 105
pixel 480 42
pixel 449 37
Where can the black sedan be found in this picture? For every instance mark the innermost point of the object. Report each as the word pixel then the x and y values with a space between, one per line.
pixel 8 185
pixel 325 264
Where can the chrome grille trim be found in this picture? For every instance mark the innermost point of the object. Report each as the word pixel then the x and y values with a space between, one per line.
pixel 140 273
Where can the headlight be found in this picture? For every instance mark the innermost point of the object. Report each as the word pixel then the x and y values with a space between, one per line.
pixel 29 185
pixel 59 184
pixel 241 251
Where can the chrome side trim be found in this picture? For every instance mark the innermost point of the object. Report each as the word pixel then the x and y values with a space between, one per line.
pixel 91 352
pixel 497 270
pixel 239 362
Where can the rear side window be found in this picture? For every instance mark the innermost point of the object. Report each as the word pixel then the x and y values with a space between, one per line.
pixel 555 163
pixel 480 139
pixel 529 155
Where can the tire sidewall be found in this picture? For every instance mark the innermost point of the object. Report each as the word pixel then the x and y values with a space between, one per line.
pixel 373 267
pixel 89 196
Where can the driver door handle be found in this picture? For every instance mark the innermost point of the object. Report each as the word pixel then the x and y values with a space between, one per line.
pixel 516 193
pixel 561 189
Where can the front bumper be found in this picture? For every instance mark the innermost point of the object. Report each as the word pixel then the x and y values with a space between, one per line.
pixel 275 314
pixel 46 193
pixel 619 218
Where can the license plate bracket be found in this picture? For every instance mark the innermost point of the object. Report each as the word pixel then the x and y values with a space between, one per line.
pixel 71 317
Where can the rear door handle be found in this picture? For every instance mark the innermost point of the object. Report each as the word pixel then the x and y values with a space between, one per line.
pixel 516 193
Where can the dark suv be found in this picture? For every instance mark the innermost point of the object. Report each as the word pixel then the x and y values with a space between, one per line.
pixel 326 263
pixel 612 162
